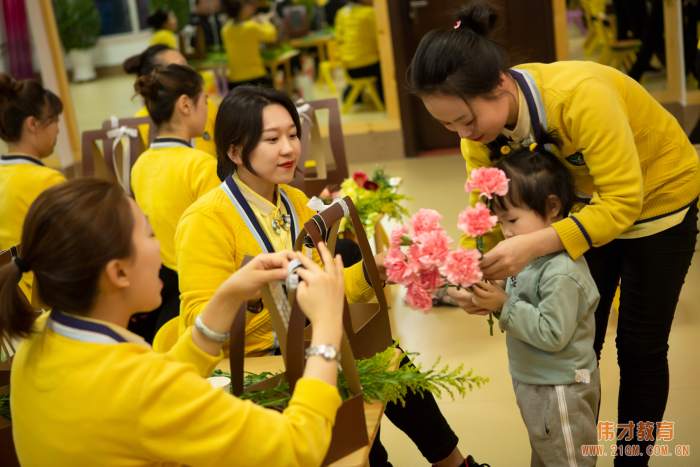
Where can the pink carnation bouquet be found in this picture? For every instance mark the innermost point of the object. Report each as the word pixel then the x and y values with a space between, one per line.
pixel 429 264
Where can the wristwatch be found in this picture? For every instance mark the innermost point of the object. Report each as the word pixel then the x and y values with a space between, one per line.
pixel 326 351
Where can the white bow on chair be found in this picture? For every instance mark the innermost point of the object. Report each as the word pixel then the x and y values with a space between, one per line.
pixel 303 109
pixel 122 135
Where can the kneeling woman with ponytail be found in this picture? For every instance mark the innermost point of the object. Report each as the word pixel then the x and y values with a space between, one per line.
pixel 171 175
pixel 29 125
pixel 85 391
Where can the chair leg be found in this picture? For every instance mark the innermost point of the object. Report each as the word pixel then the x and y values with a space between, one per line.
pixel 329 79
pixel 352 97
pixel 372 91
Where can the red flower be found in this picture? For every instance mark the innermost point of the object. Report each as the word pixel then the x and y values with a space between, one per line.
pixel 370 185
pixel 360 178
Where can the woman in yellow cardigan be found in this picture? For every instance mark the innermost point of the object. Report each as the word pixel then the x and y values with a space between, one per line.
pixel 85 391
pixel 253 212
pixel 29 125
pixel 158 56
pixel 171 175
pixel 164 24
pixel 637 178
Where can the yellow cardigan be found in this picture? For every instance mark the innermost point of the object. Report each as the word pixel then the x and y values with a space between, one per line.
pixel 624 150
pixel 165 182
pixel 211 241
pixel 22 180
pixel 165 36
pixel 242 44
pixel 88 393
pixel 203 143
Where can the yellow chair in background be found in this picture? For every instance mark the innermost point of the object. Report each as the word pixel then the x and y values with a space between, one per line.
pixel 325 69
pixel 615 53
pixel 357 86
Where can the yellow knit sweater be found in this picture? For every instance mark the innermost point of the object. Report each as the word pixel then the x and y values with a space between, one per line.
pixel 623 149
pixel 211 241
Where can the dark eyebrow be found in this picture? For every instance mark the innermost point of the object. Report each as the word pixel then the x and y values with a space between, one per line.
pixel 276 129
pixel 456 119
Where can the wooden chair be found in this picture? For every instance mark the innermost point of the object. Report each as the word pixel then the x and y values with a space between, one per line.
pixel 7 346
pixel 296 21
pixel 105 162
pixel 306 178
pixel 145 126
pixel 326 67
pixel 8 455
pixel 357 87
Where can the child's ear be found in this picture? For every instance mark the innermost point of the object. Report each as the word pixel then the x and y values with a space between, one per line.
pixel 553 207
pixel 185 104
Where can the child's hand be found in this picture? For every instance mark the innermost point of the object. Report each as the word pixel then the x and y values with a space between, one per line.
pixel 489 296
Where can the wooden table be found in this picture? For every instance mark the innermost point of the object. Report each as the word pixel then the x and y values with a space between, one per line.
pixel 284 59
pixel 373 412
pixel 314 40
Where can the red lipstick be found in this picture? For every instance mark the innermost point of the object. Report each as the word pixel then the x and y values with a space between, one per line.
pixel 476 140
pixel 287 165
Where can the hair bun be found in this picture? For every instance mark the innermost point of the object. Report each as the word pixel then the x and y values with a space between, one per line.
pixel 8 85
pixel 479 16
pixel 148 86
pixel 132 65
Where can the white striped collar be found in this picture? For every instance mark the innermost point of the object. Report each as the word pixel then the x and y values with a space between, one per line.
pixel 162 143
pixel 90 330
pixel 18 159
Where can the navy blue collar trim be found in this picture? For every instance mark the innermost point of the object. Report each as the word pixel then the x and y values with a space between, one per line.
pixel 23 158
pixel 531 106
pixel 172 140
pixel 233 186
pixel 83 325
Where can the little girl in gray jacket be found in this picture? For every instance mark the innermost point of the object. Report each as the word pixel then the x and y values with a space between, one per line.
pixel 547 312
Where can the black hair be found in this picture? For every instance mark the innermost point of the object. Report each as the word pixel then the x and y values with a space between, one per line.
pixel 463 62
pixel 163 87
pixel 158 18
pixel 233 7
pixel 534 176
pixel 20 100
pixel 147 61
pixel 239 123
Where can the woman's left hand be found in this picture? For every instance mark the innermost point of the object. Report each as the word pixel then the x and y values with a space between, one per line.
pixel 379 260
pixel 507 258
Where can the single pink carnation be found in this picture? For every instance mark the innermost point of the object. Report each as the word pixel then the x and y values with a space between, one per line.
pixel 430 279
pixel 397 236
pixel 419 298
pixel 360 178
pixel 430 248
pixel 425 220
pixel 476 221
pixel 397 269
pixel 488 180
pixel 462 267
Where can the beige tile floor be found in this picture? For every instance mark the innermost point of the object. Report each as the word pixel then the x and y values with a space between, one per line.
pixel 487 420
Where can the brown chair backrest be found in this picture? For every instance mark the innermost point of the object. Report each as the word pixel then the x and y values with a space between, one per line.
pixel 350 430
pixel 367 325
pixel 97 163
pixel 6 256
pixel 296 21
pixel 135 122
pixel 313 187
pixel 8 455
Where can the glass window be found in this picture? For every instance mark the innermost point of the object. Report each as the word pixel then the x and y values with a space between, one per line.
pixel 114 15
pixel 143 7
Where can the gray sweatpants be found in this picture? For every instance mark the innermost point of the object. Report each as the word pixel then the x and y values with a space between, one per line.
pixel 559 419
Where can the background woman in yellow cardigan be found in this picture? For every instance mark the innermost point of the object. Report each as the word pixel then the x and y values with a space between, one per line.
pixel 29 125
pixel 85 391
pixel 158 56
pixel 254 211
pixel 635 172
pixel 164 24
pixel 171 175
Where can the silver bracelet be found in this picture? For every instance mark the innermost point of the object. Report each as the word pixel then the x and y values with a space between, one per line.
pixel 208 333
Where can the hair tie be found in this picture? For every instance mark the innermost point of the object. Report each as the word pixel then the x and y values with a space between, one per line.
pixel 533 146
pixel 21 265
pixel 458 24
pixel 505 150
